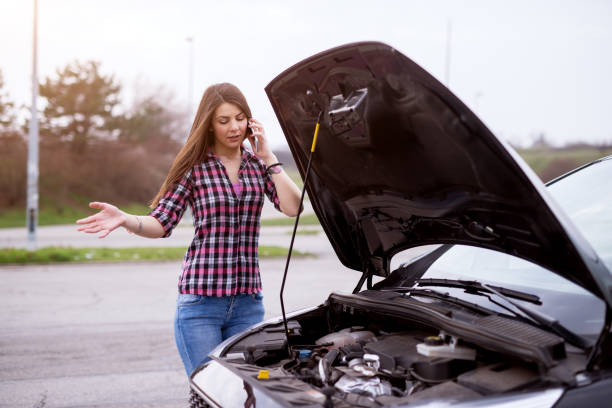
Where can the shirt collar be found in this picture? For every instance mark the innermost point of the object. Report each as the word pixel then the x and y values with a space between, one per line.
pixel 247 156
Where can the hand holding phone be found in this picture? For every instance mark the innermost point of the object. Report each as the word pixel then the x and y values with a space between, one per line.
pixel 254 140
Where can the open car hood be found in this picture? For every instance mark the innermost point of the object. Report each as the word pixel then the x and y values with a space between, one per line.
pixel 402 162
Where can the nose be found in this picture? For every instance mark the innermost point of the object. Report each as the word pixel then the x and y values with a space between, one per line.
pixel 235 124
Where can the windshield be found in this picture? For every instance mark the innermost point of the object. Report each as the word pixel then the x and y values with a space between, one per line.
pixel 586 196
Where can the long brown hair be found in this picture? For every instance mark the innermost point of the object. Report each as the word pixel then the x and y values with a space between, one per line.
pixel 201 138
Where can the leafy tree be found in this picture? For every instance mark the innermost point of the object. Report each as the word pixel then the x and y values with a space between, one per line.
pixel 80 105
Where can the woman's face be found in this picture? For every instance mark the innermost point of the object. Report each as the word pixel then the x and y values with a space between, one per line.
pixel 229 124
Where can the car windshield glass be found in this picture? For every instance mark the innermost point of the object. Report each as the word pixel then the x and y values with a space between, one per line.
pixel 586 196
pixel 560 298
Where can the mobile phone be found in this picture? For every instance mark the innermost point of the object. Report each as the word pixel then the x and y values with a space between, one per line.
pixel 255 139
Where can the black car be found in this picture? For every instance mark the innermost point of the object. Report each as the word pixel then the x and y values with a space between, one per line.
pixel 478 285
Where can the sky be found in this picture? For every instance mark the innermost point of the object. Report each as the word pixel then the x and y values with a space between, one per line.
pixel 524 67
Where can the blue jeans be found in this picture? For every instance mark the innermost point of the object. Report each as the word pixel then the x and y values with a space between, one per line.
pixel 202 322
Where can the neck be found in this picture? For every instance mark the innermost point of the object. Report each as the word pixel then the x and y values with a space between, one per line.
pixel 222 151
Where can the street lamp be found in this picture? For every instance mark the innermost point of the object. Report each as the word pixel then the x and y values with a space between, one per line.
pixel 32 187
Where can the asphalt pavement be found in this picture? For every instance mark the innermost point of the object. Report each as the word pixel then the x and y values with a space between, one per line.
pixel 100 334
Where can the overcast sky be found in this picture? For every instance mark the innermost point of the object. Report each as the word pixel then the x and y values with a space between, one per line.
pixel 524 67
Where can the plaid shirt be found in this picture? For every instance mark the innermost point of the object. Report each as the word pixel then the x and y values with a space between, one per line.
pixel 222 259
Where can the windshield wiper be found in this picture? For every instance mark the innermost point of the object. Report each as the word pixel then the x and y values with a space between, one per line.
pixel 445 296
pixel 478 288
pixel 412 291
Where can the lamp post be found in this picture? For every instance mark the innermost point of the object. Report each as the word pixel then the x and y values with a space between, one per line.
pixel 32 187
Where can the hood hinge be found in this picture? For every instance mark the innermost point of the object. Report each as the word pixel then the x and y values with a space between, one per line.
pixel 375 265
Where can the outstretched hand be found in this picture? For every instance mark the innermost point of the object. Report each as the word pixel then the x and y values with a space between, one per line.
pixel 105 221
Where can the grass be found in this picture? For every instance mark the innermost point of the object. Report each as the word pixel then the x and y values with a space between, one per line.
pixel 310 219
pixel 51 255
pixel 539 159
pixel 14 218
pixel 294 175
pixel 305 232
pixel 50 214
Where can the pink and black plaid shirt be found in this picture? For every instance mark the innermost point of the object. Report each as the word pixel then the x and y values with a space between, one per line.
pixel 222 259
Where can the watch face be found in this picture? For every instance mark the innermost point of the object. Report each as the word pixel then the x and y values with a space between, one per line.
pixel 275 169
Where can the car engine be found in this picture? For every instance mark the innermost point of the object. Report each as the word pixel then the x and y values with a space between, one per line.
pixel 356 357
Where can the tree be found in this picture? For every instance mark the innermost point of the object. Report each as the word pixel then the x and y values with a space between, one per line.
pixel 540 141
pixel 80 105
pixel 13 153
pixel 155 120
pixel 7 115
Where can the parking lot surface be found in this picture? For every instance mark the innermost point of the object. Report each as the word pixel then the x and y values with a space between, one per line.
pixel 100 334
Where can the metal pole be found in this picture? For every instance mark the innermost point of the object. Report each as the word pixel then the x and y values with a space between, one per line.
pixel 297 220
pixel 32 200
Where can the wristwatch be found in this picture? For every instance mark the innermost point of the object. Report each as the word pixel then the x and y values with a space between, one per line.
pixel 274 168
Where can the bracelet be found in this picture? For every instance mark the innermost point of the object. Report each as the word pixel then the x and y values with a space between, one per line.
pixel 272 166
pixel 139 224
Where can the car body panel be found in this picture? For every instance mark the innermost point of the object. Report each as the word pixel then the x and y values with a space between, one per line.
pixel 401 162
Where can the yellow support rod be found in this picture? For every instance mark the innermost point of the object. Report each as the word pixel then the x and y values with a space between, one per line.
pixel 314 139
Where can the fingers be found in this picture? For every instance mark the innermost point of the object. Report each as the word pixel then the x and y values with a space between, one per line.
pixel 92 218
pixel 87 220
pixel 259 133
pixel 91 229
pixel 98 205
pixel 101 221
pixel 256 127
pixel 252 141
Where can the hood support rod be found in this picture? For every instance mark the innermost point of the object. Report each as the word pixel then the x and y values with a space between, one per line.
pixel 297 220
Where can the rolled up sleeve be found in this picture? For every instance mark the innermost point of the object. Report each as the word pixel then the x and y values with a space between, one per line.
pixel 270 190
pixel 173 204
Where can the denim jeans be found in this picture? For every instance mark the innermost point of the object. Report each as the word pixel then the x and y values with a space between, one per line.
pixel 202 322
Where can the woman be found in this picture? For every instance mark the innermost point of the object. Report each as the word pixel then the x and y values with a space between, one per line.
pixel 224 184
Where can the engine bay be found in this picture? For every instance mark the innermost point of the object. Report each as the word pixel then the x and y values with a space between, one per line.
pixel 360 357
